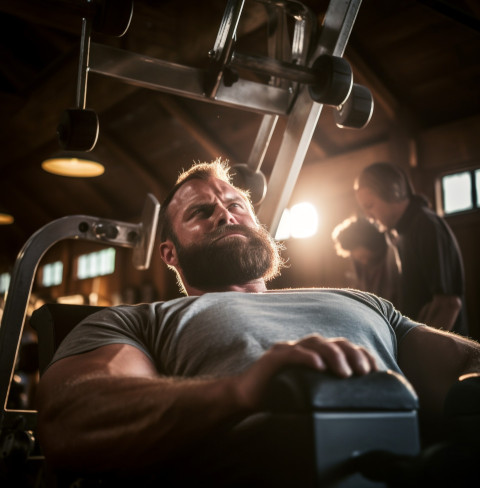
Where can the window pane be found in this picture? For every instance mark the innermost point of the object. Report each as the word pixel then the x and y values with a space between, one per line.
pixel 52 274
pixel 82 267
pixel 96 264
pixel 4 282
pixel 457 192
pixel 477 186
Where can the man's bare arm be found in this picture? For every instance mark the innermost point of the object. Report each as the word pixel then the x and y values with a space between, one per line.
pixel 109 409
pixel 433 360
pixel 441 312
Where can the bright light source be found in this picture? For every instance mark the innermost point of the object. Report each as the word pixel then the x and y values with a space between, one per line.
pixel 283 230
pixel 6 218
pixel 304 220
pixel 299 222
pixel 75 164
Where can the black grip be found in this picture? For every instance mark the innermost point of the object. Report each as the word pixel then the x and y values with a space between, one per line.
pixel 300 389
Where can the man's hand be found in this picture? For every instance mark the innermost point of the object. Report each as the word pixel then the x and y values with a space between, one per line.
pixel 337 355
pixel 441 312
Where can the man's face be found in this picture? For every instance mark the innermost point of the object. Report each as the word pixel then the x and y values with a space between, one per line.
pixel 363 256
pixel 217 240
pixel 382 212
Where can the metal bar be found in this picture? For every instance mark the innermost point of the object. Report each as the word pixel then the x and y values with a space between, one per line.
pixel 146 72
pixel 138 236
pixel 336 29
pixel 155 74
pixel 262 141
pixel 83 63
pixel 223 44
pixel 277 50
pixel 273 67
pixel 257 97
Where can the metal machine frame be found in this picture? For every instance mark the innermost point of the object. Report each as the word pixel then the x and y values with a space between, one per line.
pixel 272 100
pixel 215 85
pixel 140 237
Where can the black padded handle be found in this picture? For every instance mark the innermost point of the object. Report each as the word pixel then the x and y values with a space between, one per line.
pixel 300 389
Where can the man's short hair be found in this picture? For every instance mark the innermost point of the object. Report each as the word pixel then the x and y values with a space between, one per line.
pixel 356 232
pixel 218 168
pixel 388 181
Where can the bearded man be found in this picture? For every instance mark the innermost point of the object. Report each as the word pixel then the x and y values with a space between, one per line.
pixel 150 389
pixel 220 243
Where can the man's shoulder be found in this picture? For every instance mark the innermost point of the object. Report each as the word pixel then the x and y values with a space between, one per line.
pixel 318 290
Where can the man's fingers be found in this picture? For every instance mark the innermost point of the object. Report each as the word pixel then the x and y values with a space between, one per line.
pixel 294 353
pixel 359 359
pixel 341 356
pixel 337 355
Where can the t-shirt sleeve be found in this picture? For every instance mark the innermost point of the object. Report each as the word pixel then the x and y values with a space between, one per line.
pixel 400 323
pixel 114 325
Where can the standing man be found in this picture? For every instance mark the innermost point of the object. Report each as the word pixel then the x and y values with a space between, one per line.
pixel 432 276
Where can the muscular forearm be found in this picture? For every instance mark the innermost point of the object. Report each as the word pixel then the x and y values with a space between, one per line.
pixel 83 426
pixel 109 409
pixel 441 312
pixel 433 361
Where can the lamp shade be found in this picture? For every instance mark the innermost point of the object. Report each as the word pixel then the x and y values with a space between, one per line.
pixel 73 164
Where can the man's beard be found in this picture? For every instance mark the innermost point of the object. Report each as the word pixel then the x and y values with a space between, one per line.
pixel 218 262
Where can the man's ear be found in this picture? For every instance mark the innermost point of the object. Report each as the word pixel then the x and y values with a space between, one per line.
pixel 168 253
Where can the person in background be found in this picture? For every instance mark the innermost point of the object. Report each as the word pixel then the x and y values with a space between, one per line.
pixel 432 284
pixel 373 259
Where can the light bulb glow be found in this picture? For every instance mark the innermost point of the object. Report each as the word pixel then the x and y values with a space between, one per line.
pixel 283 229
pixel 73 167
pixel 304 220
pixel 300 221
pixel 6 219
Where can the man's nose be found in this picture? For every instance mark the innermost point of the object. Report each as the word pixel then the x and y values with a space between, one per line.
pixel 223 217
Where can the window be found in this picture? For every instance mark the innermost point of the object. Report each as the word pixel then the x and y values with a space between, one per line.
pixel 98 263
pixel 4 282
pixel 459 192
pixel 52 274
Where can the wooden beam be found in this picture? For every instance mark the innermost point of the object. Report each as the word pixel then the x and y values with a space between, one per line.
pixel 192 126
pixel 381 94
pixel 132 159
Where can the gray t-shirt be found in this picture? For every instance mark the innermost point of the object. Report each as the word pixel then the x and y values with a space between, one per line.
pixel 223 333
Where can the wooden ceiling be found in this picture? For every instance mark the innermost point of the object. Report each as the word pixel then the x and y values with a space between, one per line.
pixel 420 59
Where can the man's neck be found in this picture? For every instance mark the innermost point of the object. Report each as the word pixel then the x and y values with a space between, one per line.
pixel 256 286
pixel 400 209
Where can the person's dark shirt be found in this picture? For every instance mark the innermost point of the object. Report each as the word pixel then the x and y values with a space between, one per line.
pixel 431 261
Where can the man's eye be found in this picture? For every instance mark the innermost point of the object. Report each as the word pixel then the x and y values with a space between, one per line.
pixel 202 212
